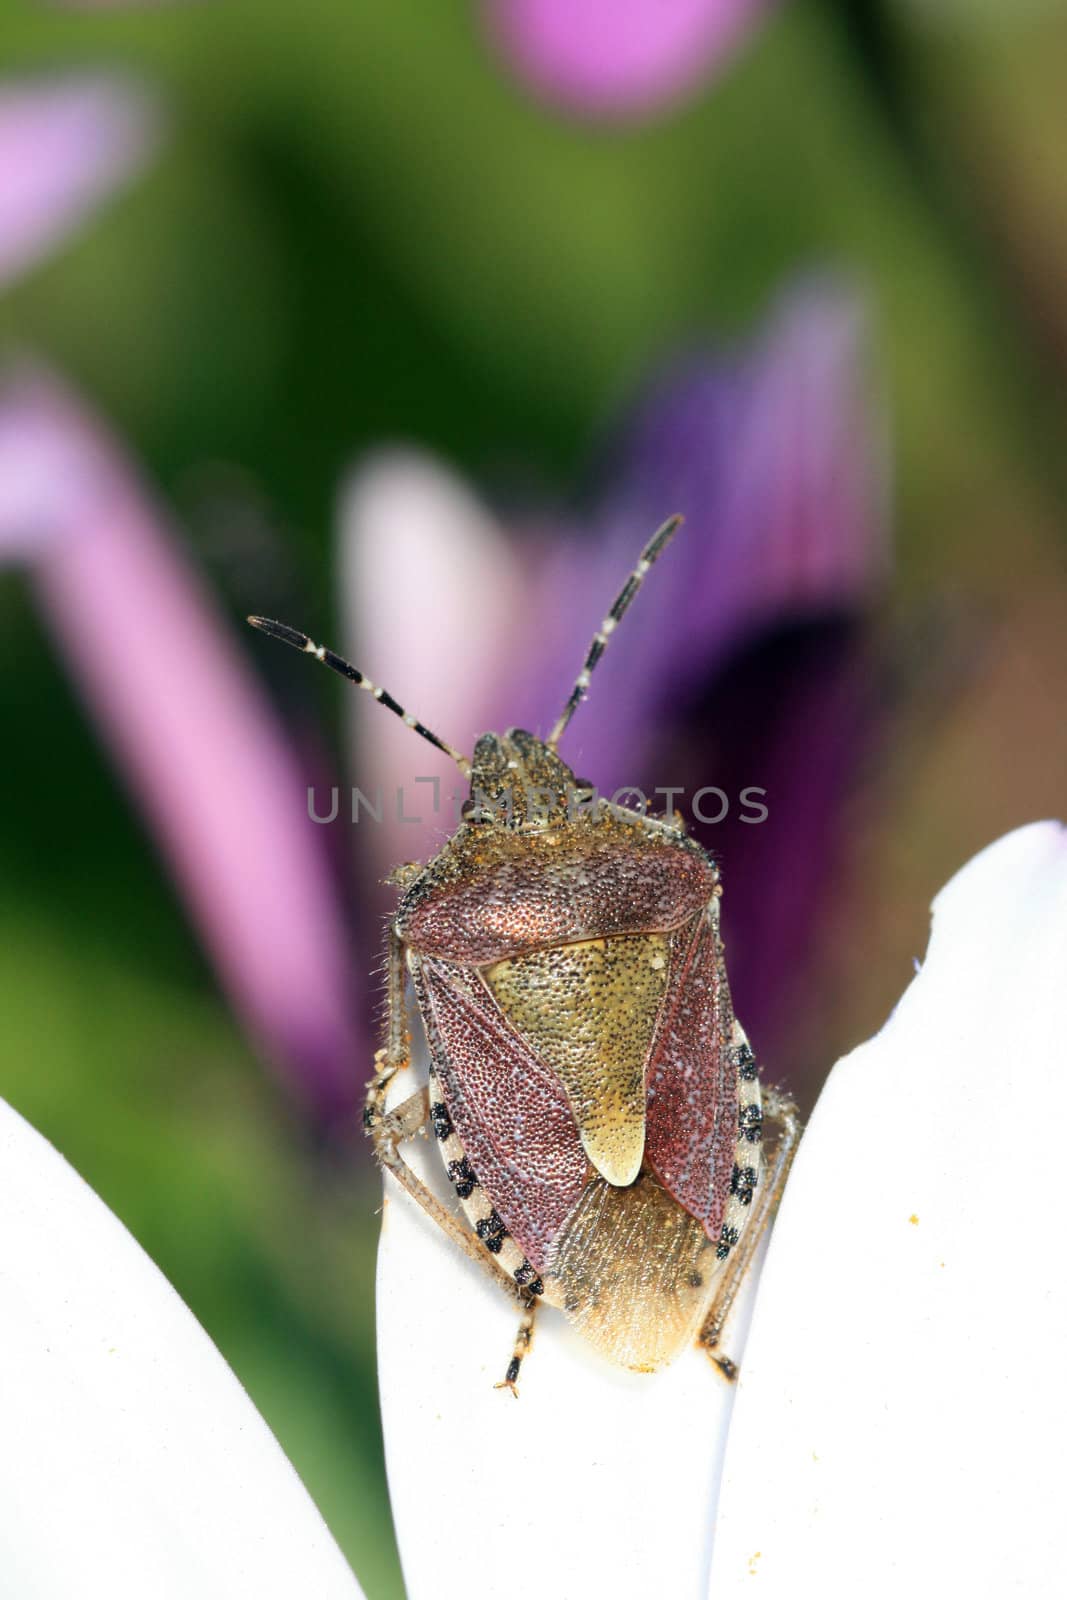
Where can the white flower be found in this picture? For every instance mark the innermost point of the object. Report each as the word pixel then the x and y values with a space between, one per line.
pixel 899 1421
pixel 132 1463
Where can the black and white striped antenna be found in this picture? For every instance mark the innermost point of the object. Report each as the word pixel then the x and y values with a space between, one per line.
pixel 622 603
pixel 336 663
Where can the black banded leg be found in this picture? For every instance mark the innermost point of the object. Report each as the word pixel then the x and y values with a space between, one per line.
pixel 523 1340
pixel 777 1108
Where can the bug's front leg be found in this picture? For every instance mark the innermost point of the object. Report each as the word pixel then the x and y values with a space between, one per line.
pixel 388 1129
pixel 780 1109
pixel 395 1054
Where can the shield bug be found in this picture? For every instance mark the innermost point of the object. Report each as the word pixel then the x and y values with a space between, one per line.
pixel 595 1101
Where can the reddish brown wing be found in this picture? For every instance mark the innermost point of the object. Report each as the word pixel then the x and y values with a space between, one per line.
pixel 510 1112
pixel 691 1127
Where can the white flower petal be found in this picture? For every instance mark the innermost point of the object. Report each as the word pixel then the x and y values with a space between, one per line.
pixel 430 589
pixel 132 1463
pixel 597 1481
pixel 900 1423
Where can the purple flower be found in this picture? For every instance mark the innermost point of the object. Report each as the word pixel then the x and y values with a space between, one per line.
pixel 185 718
pixel 65 144
pixel 189 728
pixel 619 58
pixel 172 695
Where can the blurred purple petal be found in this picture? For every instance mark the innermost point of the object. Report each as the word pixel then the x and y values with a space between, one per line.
pixel 65 144
pixel 189 728
pixel 774 454
pixel 618 58
pixel 801 715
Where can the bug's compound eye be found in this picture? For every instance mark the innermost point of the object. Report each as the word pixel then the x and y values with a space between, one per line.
pixel 403 875
pixel 581 799
pixel 471 811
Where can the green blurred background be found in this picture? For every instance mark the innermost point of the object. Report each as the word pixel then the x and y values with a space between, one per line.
pixel 360 229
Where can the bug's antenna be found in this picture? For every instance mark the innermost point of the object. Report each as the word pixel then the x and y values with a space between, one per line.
pixel 623 600
pixel 300 641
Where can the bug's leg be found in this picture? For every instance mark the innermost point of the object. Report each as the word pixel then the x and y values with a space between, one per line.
pixel 777 1108
pixel 523 1341
pixel 395 1054
pixel 389 1129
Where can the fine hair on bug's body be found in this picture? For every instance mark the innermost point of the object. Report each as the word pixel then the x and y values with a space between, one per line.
pixel 595 1101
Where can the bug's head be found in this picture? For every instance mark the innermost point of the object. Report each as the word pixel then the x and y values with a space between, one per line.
pixel 518 781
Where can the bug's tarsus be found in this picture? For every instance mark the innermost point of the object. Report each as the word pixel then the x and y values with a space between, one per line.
pixel 329 658
pixel 523 1340
pixel 621 604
